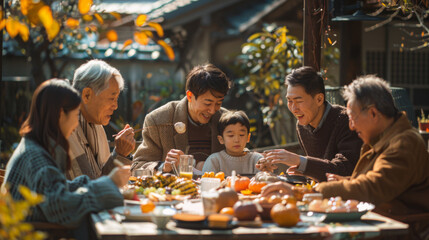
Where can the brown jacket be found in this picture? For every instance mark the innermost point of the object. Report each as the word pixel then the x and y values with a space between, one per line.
pixel 394 172
pixel 160 136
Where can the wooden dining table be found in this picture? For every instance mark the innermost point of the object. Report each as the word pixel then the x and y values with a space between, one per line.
pixel 370 225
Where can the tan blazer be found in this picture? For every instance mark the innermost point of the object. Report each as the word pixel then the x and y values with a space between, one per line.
pixel 159 135
pixel 393 172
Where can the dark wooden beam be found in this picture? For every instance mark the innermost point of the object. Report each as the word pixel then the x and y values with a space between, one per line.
pixel 350 51
pixel 315 17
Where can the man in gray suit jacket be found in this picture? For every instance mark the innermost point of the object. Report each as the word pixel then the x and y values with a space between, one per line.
pixel 185 126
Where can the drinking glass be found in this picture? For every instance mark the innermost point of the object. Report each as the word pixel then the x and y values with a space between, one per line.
pixel 142 172
pixel 186 166
pixel 209 199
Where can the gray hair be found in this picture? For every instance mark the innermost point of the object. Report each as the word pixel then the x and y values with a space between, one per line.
pixel 371 90
pixel 96 74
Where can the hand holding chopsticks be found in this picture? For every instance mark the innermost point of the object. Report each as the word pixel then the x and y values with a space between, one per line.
pixel 124 141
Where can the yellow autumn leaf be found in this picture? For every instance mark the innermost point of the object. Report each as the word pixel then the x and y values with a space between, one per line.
pixel 141 38
pixel 141 19
pixel 45 15
pixel 2 24
pixel 33 12
pixel 53 30
pixel 24 32
pixel 99 18
pixel 157 28
pixel 31 197
pixel 112 35
pixel 87 18
pixel 84 6
pixel 72 23
pixel 52 27
pixel 116 15
pixel 12 27
pixel 148 33
pixel 25 227
pixel 267 92
pixel 168 50
pixel 25 5
pixel 126 44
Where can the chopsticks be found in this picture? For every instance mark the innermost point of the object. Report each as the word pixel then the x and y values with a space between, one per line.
pixel 135 131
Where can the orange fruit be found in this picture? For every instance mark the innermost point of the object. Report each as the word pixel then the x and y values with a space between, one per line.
pixel 227 210
pixel 285 216
pixel 275 199
pixel 289 199
pixel 220 175
pixel 147 206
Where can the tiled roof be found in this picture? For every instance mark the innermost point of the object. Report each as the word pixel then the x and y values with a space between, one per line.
pixel 153 9
pixel 245 17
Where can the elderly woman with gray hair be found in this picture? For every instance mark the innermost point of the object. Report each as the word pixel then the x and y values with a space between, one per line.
pixel 99 85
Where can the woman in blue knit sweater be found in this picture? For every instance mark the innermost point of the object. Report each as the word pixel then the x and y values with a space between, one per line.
pixel 41 160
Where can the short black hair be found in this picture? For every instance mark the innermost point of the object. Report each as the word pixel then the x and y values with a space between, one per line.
pixel 208 77
pixel 232 117
pixel 308 78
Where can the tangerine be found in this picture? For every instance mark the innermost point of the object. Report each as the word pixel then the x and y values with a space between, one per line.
pixel 285 216
pixel 227 210
pixel 147 205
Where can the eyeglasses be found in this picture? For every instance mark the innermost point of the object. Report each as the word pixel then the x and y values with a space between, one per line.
pixel 355 118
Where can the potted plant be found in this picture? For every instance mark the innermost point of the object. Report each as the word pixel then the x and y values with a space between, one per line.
pixel 423 122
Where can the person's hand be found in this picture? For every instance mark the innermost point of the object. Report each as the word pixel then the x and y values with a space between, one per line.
pixel 280 187
pixel 124 141
pixel 293 170
pixel 173 157
pixel 282 156
pixel 120 175
pixel 334 177
pixel 265 165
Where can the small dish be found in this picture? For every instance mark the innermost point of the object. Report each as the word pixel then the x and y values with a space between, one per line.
pixel 187 220
pixel 161 216
pixel 132 213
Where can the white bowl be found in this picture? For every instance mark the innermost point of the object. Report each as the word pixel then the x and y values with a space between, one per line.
pixel 161 216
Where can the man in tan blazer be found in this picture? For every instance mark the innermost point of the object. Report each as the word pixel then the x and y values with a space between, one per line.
pixel 185 126
pixel 393 168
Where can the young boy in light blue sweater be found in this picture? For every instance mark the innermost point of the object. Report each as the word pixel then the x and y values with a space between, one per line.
pixel 234 133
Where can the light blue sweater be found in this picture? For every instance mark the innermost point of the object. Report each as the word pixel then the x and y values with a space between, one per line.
pixel 68 203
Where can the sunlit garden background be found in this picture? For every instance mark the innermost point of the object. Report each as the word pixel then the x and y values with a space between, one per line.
pixel 257 43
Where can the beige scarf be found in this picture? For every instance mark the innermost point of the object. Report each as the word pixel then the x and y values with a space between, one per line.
pixel 89 150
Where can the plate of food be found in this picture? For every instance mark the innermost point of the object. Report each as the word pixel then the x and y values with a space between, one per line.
pixel 337 210
pixel 195 221
pixel 133 213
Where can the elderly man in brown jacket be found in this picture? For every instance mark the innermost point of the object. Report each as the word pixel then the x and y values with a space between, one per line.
pixel 393 169
pixel 185 126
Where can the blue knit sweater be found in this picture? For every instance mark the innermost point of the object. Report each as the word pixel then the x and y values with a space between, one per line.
pixel 66 202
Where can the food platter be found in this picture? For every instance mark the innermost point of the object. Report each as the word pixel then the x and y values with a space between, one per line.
pixel 192 221
pixel 363 207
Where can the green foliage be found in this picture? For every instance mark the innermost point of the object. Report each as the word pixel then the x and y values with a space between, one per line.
pixel 267 57
pixel 13 214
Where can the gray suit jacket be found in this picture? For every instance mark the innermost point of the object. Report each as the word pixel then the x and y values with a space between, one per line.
pixel 159 135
